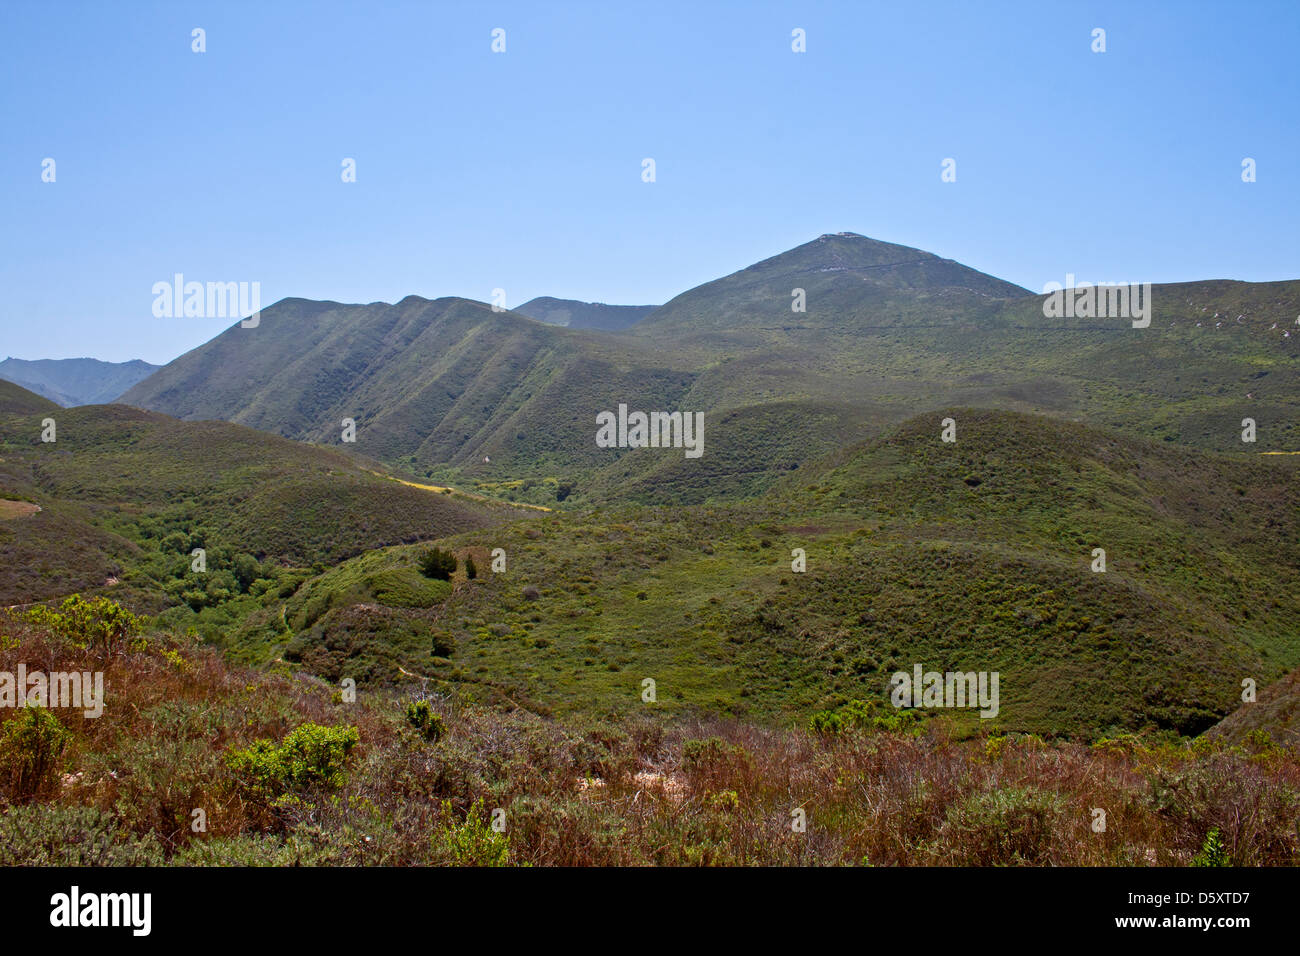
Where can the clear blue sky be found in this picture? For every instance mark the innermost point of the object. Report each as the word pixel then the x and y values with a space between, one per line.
pixel 522 170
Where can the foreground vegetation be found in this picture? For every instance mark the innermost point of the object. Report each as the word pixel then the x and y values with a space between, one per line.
pixel 197 763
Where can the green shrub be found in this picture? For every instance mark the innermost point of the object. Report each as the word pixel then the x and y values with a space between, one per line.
pixel 471 569
pixel 442 644
pixel 1213 852
pixel 30 748
pixel 438 564
pixel 826 722
pixel 864 715
pixel 309 756
pixel 1123 744
pixel 245 849
pixel 604 751
pixel 421 715
pixel 99 623
pixel 474 842
pixel 724 801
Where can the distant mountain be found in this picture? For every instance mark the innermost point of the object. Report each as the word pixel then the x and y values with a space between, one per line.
pixel 80 381
pixel 427 382
pixel 447 388
pixel 584 315
pixel 848 282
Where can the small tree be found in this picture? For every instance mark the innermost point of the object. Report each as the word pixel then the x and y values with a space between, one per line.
pixel 471 569
pixel 438 564
pixel 246 570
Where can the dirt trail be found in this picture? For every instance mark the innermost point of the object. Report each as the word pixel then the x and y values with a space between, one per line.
pixel 16 509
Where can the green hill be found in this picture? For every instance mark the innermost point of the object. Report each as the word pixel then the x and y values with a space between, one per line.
pixel 126 495
pixel 974 556
pixel 16 400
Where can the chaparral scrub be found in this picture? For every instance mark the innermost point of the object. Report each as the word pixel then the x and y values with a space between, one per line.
pixel 196 763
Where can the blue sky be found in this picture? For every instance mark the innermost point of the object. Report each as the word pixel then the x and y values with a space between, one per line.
pixel 522 170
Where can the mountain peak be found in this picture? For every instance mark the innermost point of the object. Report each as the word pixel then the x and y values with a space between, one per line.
pixel 847 281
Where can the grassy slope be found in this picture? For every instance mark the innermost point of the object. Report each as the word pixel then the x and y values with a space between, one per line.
pixel 909 562
pixel 1276 712
pixel 16 400
pixel 119 484
pixel 428 383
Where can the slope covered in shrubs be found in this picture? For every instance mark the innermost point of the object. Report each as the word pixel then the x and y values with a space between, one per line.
pixel 973 556
pixel 194 762
pixel 125 496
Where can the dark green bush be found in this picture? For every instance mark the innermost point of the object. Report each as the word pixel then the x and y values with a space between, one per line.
pixel 421 715
pixel 246 570
pixel 438 564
